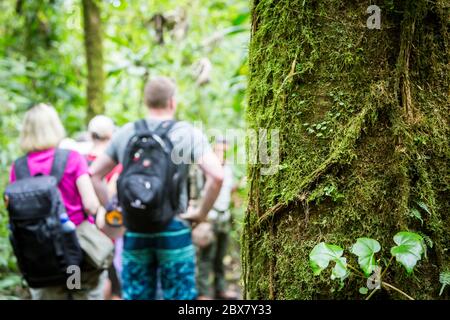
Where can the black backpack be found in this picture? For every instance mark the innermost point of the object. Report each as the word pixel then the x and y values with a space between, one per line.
pixel 43 250
pixel 149 186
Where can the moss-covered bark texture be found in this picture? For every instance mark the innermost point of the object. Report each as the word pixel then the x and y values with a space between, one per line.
pixel 363 116
pixel 94 56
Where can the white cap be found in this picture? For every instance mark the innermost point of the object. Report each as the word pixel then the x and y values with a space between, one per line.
pixel 102 126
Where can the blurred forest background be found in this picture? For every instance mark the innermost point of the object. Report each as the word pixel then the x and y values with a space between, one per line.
pixel 200 43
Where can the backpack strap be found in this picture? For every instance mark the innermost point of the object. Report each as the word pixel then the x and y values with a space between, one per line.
pixel 21 169
pixel 162 130
pixel 141 126
pixel 164 127
pixel 59 163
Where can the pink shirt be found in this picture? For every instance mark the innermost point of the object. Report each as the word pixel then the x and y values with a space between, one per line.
pixel 41 162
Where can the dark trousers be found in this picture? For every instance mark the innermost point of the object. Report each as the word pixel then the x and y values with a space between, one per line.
pixel 211 261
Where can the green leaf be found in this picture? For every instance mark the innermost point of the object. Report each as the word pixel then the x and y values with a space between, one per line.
pixel 416 214
pixel 365 249
pixel 363 290
pixel 427 240
pixel 10 281
pixel 3 261
pixel 424 207
pixel 444 278
pixel 241 18
pixel 340 269
pixel 320 258
pixel 409 249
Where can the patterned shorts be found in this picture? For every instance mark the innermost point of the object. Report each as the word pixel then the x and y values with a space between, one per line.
pixel 164 260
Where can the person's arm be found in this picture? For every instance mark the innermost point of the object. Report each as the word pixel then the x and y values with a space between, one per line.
pixel 112 184
pixel 87 193
pixel 98 170
pixel 213 171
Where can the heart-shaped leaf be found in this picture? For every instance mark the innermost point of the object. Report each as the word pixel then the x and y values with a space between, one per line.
pixel 340 269
pixel 365 249
pixel 409 249
pixel 322 254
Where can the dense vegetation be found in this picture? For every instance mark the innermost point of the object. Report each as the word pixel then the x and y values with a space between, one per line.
pixel 363 116
pixel 42 58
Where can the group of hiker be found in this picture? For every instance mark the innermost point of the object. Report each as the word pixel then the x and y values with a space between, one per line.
pixel 141 211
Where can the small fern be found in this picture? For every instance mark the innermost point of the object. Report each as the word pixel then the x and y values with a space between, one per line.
pixel 444 278
pixel 424 207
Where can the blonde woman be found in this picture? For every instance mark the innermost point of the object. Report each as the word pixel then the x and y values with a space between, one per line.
pixel 41 133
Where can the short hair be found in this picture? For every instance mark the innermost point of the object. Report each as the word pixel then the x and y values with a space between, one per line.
pixel 221 140
pixel 158 92
pixel 42 129
pixel 101 127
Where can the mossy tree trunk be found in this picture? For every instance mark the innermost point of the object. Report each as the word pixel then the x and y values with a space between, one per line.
pixel 363 116
pixel 93 41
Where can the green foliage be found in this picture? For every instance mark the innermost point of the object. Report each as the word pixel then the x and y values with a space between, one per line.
pixel 409 249
pixel 423 206
pixel 329 190
pixel 42 60
pixel 365 249
pixel 340 269
pixel 377 160
pixel 215 32
pixel 56 71
pixel 416 214
pixel 10 282
pixel 363 290
pixel 444 279
pixel 415 211
pixel 8 269
pixel 321 256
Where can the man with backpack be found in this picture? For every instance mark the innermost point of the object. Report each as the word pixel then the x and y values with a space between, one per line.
pixel 155 153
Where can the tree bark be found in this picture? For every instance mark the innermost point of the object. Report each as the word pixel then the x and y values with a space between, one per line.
pixel 93 41
pixel 363 116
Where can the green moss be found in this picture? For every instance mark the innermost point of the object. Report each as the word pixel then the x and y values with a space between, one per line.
pixel 314 64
